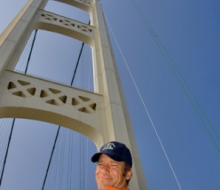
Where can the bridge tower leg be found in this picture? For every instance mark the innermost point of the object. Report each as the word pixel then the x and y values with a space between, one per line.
pixel 101 115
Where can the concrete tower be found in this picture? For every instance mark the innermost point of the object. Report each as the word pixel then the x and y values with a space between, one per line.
pixel 102 115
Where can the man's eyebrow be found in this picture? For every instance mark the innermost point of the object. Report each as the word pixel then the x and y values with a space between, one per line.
pixel 114 162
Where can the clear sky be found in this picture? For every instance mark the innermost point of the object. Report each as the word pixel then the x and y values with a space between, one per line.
pixel 186 32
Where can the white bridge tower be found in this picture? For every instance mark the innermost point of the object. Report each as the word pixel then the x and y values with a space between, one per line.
pixel 102 115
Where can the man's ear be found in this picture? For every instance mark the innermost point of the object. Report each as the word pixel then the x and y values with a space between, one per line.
pixel 129 174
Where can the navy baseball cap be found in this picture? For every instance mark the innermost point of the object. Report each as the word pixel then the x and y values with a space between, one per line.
pixel 116 151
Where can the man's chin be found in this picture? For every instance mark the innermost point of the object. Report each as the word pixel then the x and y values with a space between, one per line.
pixel 103 184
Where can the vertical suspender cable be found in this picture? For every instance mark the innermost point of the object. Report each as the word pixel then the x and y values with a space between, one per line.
pixel 6 154
pixel 32 46
pixel 86 177
pixel 77 63
pixel 58 130
pixel 48 167
pixel 3 134
pixel 74 74
pixel 13 122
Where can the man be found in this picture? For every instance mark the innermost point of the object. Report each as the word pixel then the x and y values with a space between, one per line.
pixel 114 166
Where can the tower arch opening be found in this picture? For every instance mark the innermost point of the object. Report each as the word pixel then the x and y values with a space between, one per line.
pixel 60 54
pixel 31 148
pixel 66 8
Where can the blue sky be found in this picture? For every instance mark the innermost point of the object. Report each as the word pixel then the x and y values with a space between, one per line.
pixel 190 33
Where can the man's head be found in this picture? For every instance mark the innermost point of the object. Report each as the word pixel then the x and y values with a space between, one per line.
pixel 114 164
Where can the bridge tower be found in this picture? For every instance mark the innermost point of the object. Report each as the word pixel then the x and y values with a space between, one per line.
pixel 101 115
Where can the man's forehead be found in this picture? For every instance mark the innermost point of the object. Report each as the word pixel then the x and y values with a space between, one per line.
pixel 105 157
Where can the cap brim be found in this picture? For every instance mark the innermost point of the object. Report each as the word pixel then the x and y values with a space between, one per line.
pixel 115 157
pixel 95 157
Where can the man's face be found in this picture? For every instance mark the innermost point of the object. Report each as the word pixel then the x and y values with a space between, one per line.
pixel 111 173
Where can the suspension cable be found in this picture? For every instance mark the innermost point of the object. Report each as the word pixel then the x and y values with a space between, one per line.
pixel 87 158
pixel 69 163
pixel 48 167
pixel 77 63
pixel 6 154
pixel 145 108
pixel 13 122
pixel 23 58
pixel 80 53
pixel 188 92
pixel 3 136
pixel 12 128
pixel 58 130
pixel 32 46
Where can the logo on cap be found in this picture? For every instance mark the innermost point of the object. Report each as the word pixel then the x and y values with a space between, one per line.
pixel 108 146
